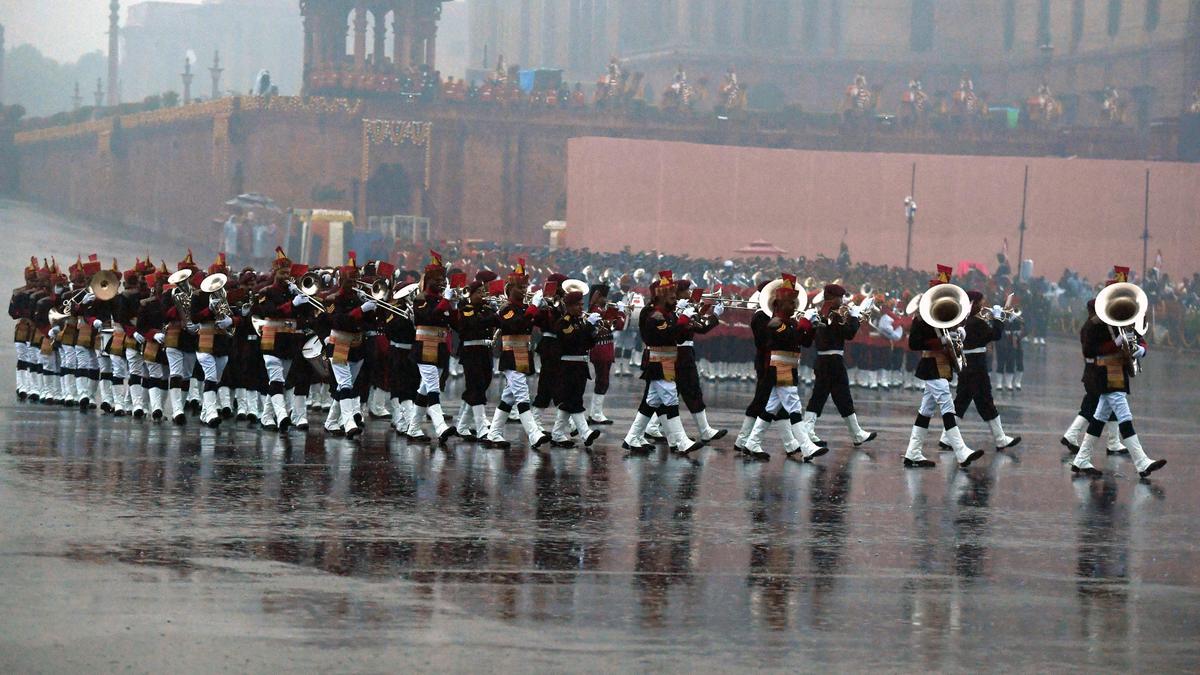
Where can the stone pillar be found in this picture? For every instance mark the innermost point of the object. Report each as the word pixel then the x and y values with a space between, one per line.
pixel 309 64
pixel 402 41
pixel 430 33
pixel 76 99
pixel 215 72
pixel 187 80
pixel 683 21
pixel 2 65
pixel 114 48
pixel 380 37
pixel 360 37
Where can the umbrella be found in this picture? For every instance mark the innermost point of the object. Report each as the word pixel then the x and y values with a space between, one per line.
pixel 965 266
pixel 761 247
pixel 253 200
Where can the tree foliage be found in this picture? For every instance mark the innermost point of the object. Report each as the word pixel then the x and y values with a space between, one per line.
pixel 45 86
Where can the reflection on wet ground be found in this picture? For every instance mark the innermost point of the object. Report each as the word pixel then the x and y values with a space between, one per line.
pixel 562 560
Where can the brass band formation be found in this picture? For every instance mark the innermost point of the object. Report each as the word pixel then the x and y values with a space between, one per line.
pixel 156 344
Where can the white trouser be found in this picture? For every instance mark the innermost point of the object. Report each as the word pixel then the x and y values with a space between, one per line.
pixel 154 370
pixel 103 362
pixel 516 388
pixel 49 362
pixel 662 393
pixel 277 368
pixel 181 363
pixel 430 379
pixel 213 366
pixel 1116 403
pixel 787 398
pixel 85 358
pixel 936 397
pixel 137 365
pixel 68 357
pixel 345 374
pixel 120 367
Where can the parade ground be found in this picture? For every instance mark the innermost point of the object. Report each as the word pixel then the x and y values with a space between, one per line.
pixel 139 547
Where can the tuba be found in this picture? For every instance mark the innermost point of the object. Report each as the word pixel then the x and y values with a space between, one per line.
pixel 944 307
pixel 105 285
pixel 1123 306
pixel 182 294
pixel 762 301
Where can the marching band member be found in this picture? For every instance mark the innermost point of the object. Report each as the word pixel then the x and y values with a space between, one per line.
pixel 831 379
pixel 762 392
pixel 548 349
pixel 182 337
pixel 250 379
pixel 376 348
pixel 46 335
pixel 779 339
pixel 214 344
pixel 625 339
pixel 148 333
pixel 891 325
pixel 20 309
pixel 660 328
pixel 935 371
pixel 101 313
pixel 1010 352
pixel 431 316
pixel 516 360
pixel 475 322
pixel 603 353
pixel 576 336
pixel 134 291
pixel 404 378
pixel 73 365
pixel 274 305
pixel 974 383
pixel 345 346
pixel 1091 397
pixel 1114 352
pixel 687 376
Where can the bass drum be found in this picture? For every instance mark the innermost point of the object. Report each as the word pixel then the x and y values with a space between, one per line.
pixel 314 352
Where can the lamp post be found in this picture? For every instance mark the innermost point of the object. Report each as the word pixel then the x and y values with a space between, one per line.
pixel 1022 226
pixel 910 214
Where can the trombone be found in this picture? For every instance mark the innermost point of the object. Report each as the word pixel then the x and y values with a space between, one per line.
pixel 730 302
pixel 378 293
pixel 310 285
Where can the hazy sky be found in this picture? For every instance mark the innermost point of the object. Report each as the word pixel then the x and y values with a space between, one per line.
pixel 61 29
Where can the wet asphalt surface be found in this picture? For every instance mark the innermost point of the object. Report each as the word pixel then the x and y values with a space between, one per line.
pixel 138 547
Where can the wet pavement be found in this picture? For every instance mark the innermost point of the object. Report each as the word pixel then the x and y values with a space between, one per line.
pixel 132 546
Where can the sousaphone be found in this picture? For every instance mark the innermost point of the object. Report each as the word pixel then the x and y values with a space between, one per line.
pixel 105 284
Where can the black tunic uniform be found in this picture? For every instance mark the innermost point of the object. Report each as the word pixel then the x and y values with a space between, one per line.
pixel 974 383
pixel 404 377
pixel 576 337
pixel 516 328
pixel 687 375
pixel 829 370
pixel 550 350
pixel 475 325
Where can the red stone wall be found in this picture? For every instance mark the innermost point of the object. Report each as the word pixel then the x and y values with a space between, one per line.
pixel 709 200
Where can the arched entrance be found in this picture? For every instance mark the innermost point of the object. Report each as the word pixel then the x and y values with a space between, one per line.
pixel 390 192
